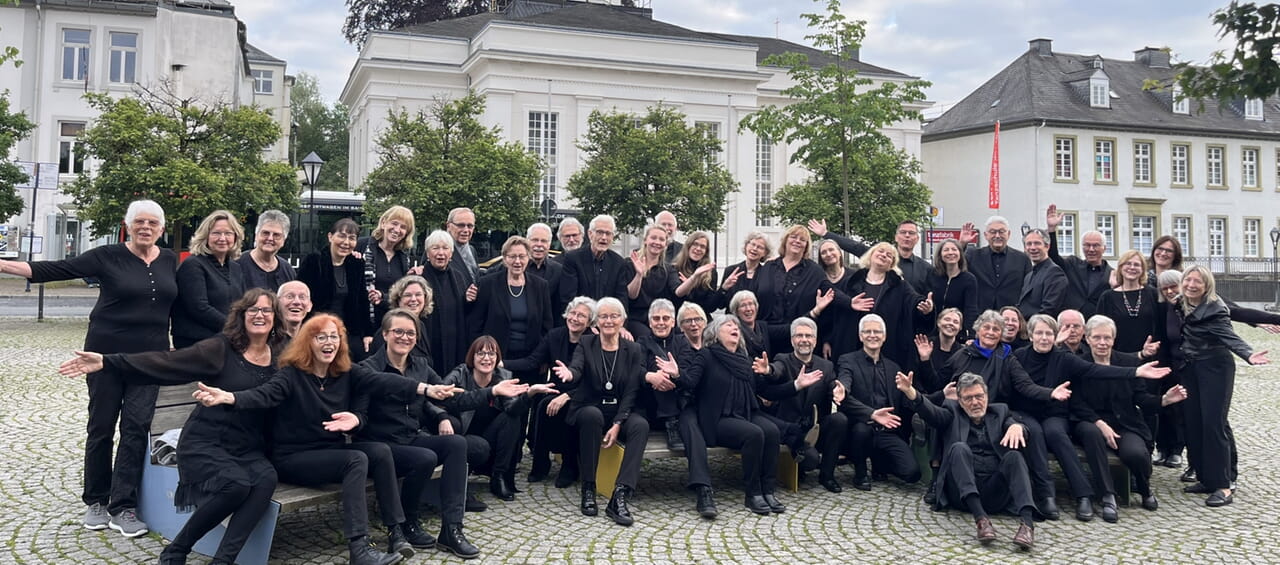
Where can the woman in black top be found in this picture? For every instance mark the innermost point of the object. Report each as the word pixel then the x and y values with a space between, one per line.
pixel 757 334
pixel 262 266
pixel 1132 306
pixel 139 285
pixel 831 310
pixel 386 252
pixel 788 285
pixel 603 380
pixel 878 287
pixel 447 326
pixel 209 280
pixel 338 285
pixel 742 276
pixel 697 274
pixel 313 395
pixel 222 466
pixel 952 284
pixel 512 307
pixel 411 293
pixel 653 278
pixel 1015 328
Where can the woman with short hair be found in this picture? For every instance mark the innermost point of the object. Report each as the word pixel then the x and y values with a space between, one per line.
pixel 262 266
pixel 411 293
pixel 788 286
pixel 511 306
pixel 209 279
pixel 447 326
pixel 756 251
pixel 337 282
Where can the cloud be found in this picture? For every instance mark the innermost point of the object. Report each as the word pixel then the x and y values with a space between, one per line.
pixel 307 34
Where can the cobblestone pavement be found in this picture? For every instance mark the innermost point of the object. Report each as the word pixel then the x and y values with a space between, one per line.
pixel 43 416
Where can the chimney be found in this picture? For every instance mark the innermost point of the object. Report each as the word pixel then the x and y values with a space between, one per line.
pixel 1152 57
pixel 1042 46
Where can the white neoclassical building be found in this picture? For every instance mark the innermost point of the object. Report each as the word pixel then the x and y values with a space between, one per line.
pixel 1080 131
pixel 544 66
pixel 71 47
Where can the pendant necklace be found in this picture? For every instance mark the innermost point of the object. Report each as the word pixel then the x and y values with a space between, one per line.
pixel 1131 309
pixel 609 369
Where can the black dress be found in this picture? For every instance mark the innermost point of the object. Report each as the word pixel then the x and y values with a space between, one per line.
pixel 1134 312
pixel 447 325
pixel 206 291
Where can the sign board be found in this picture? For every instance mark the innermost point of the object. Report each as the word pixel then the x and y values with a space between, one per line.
pixel 935 215
pixel 48 175
pixel 8 241
pixel 28 241
pixel 938 235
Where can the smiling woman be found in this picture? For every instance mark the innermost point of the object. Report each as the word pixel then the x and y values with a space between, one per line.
pixel 209 279
pixel 336 280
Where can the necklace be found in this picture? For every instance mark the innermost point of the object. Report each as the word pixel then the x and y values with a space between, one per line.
pixel 609 369
pixel 513 293
pixel 1131 309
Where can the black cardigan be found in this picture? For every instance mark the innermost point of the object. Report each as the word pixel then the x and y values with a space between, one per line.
pixel 396 417
pixel 490 314
pixel 317 271
pixel 1115 401
pixel 897 305
pixel 205 293
pixel 588 385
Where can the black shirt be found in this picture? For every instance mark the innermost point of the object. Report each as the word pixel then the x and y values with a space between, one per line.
pixel 255 277
pixel 985 460
pixel 207 290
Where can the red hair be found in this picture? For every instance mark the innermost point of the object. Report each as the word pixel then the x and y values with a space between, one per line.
pixel 299 353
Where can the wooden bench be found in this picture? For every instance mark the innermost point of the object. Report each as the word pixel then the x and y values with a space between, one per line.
pixel 656 448
pixel 155 498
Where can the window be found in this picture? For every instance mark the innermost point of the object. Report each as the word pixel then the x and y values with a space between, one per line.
pixel 1099 91
pixel 263 81
pixel 1251 228
pixel 1213 173
pixel 1180 105
pixel 1106 224
pixel 1179 164
pixel 1252 109
pixel 1143 235
pixel 713 128
pixel 1064 158
pixel 1067 234
pixel 1249 167
pixel 75 54
pixel 124 57
pixel 543 133
pixel 1182 232
pixel 1142 162
pixel 1103 169
pixel 1217 237
pixel 70 148
pixel 764 179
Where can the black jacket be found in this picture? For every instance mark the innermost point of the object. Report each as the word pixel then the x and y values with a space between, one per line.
pixel 1207 332
pixel 462 407
pixel 800 408
pixel 317 271
pixel 1078 296
pixel 585 276
pixel 590 376
pixel 447 324
pixel 550 271
pixel 1056 367
pixel 491 312
pixel 1043 290
pixel 857 373
pixel 709 378
pixel 897 305
pixel 1115 401
pixel 1002 372
pixel 953 425
pixel 205 293
pixel 555 346
pixel 396 417
pixel 997 290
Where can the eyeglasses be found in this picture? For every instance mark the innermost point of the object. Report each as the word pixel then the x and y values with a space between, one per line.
pixel 401 332
pixel 344 236
pixel 908 232
pixel 264 234
pixel 1168 250
pixel 968 398
pixel 259 311
pixel 603 232
pixel 691 321
pixel 418 295
pixel 871 332
pixel 1093 245
pixel 328 338
pixel 565 236
pixel 463 226
pixel 609 316
pixel 517 257
pixel 491 354
pixel 661 318
pixel 803 336
pixel 997 232
pixel 222 235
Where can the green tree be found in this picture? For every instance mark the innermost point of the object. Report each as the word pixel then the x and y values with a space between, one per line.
pixel 365 16
pixel 1251 70
pixel 637 166
pixel 191 158
pixel 13 128
pixel 884 184
pixel 435 160
pixel 835 116
pixel 321 128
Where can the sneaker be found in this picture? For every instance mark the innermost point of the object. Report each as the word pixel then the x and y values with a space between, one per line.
pixel 128 524
pixel 96 517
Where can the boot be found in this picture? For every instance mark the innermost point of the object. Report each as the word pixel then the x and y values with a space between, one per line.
pixel 498 486
pixel 414 534
pixel 568 473
pixel 588 506
pixel 173 556
pixel 706 504
pixel 396 542
pixel 617 508
pixel 674 442
pixel 363 553
pixel 452 540
pixel 510 479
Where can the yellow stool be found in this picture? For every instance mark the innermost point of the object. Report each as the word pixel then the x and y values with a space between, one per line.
pixel 607 469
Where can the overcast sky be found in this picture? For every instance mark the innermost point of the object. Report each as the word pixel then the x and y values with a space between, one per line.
pixel 956 44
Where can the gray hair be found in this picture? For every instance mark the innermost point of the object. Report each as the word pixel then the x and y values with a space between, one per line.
pixel 537 226
pixel 1168 277
pixel 988 317
pixel 611 302
pixel 1042 319
pixel 1091 233
pixel 967 380
pixel 1099 321
pixel 605 219
pixel 582 301
pixel 712 331
pixel 691 307
pixel 273 217
pixel 438 237
pixel 454 213
pixel 739 297
pixel 661 305
pixel 870 318
pixel 996 220
pixel 1063 314
pixel 571 222
pixel 803 321
pixel 280 291
pixel 143 207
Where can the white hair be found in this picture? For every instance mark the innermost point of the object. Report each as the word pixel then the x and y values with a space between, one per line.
pixel 143 207
pixel 996 220
pixel 870 318
pixel 604 219
pixel 538 226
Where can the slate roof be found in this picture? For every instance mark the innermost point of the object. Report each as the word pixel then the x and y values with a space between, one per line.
pixel 1054 88
pixel 766 46
pixel 254 54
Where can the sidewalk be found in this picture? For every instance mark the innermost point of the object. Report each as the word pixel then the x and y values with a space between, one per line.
pixel 14 287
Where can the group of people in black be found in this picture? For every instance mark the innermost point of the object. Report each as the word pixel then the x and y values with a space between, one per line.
pixel 374 363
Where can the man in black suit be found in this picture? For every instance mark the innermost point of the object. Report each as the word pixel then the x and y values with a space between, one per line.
pixel 595 270
pixel 1044 287
pixel 999 269
pixel 981 467
pixel 1087 278
pixel 667 221
pixel 461 225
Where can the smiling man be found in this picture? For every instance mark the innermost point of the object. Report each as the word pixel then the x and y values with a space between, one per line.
pixel 1045 286
pixel 999 268
pixel 461 225
pixel 295 300
pixel 1087 278
pixel 595 270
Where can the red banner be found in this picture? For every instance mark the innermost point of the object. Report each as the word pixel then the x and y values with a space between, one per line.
pixel 993 185
pixel 938 235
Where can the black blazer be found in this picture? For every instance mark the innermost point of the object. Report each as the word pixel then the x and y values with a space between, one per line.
pixel 702 373
pixel 858 378
pixel 588 384
pixel 953 424
pixel 396 417
pixel 317 271
pixel 1043 291
pixel 491 312
pixel 997 292
pixel 551 271
pixel 1077 270
pixel 205 294
pixel 897 305
pixel 800 407
pixel 1115 401
pixel 580 277
pixel 555 346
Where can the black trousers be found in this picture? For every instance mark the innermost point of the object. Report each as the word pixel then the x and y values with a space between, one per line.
pixel 888 450
pixel 243 503
pixel 418 460
pixel 113 400
pixel 1130 448
pixel 350 465
pixel 659 405
pixel 832 431
pixel 1209 383
pixel 551 434
pixel 1008 489
pixel 758 440
pixel 1036 454
pixel 1057 435
pixel 695 448
pixel 493 441
pixel 1170 436
pixel 634 433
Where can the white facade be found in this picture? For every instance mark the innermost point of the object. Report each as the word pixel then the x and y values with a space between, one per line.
pixel 528 70
pixel 75 48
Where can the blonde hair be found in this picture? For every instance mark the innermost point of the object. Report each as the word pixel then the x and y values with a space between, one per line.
pixel 687 266
pixel 1142 259
pixel 865 261
pixel 200 240
pixel 405 216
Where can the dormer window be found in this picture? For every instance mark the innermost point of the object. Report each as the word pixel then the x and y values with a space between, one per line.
pixel 1180 105
pixel 1099 90
pixel 1252 109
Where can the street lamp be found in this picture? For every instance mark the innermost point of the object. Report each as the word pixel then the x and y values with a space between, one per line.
pixel 311 170
pixel 1026 229
pixel 1275 245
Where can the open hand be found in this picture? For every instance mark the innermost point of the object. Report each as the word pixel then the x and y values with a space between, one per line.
pixel 341 422
pixel 83 363
pixel 885 417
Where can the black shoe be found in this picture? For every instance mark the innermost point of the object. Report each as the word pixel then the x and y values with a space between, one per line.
pixel 879 477
pixel 452 541
pixel 416 537
pixel 1109 512
pixel 1150 503
pixel 776 506
pixel 567 476
pixel 396 542
pixel 706 503
pixel 674 442
pixel 861 481
pixel 510 480
pixel 1049 508
pixel 931 495
pixel 498 487
pixel 173 556
pixel 1188 476
pixel 1218 499
pixel 474 504
pixel 756 503
pixel 363 553
pixel 588 505
pixel 1084 509
pixel 807 458
pixel 618 509
pixel 1173 461
pixel 536 476
pixel 830 484
pixel 1197 488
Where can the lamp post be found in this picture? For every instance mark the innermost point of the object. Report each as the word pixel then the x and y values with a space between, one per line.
pixel 1275 279
pixel 311 170
pixel 1026 229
